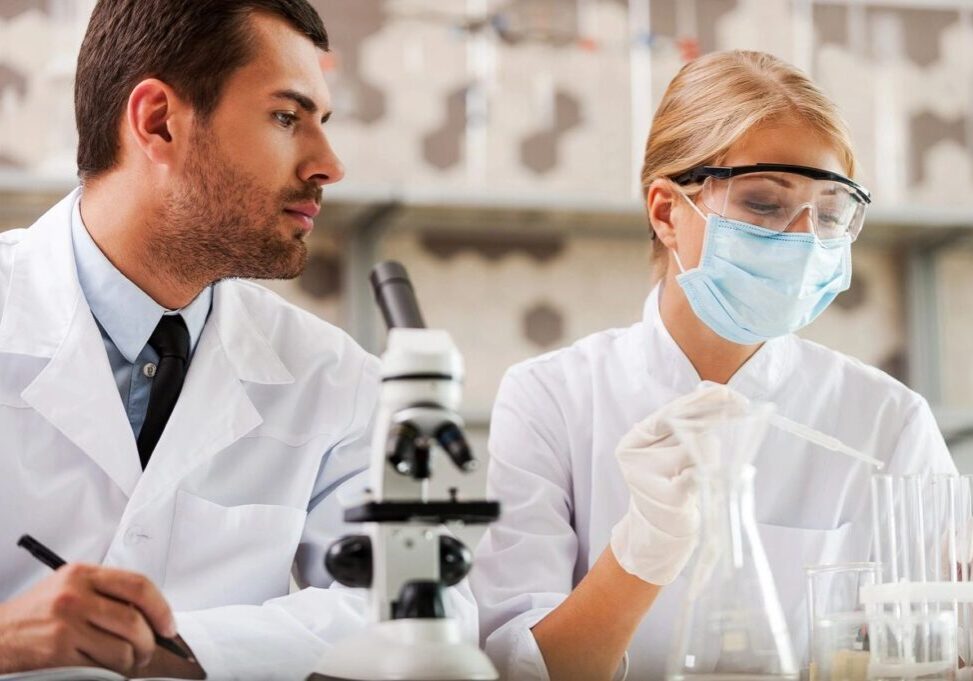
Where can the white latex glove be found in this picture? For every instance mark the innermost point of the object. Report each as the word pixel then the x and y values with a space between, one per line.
pixel 658 534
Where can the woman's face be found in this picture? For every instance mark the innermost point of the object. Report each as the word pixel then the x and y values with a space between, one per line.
pixel 784 141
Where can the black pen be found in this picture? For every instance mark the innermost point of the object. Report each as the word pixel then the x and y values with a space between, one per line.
pixel 54 561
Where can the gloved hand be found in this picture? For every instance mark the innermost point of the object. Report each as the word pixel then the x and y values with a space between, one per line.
pixel 658 534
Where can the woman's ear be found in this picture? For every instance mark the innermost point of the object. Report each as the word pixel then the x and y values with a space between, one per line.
pixel 660 204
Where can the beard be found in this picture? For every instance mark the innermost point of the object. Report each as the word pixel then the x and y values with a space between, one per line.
pixel 220 222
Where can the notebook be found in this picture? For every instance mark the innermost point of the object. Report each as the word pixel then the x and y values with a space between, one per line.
pixel 73 674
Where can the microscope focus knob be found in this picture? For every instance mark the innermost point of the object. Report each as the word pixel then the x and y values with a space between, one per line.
pixel 349 560
pixel 455 560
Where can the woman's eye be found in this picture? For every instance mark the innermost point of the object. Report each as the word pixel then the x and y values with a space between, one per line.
pixel 762 208
pixel 285 118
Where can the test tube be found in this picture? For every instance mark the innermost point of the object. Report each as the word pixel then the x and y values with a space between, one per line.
pixel 885 534
pixel 913 535
pixel 885 526
pixel 938 529
pixel 964 554
pixel 948 519
pixel 914 528
pixel 923 532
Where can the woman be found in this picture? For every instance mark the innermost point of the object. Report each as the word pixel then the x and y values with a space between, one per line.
pixel 585 564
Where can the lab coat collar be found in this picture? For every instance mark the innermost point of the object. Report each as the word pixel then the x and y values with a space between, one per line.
pixel 45 298
pixel 248 350
pixel 128 314
pixel 44 293
pixel 214 409
pixel 667 363
pixel 45 315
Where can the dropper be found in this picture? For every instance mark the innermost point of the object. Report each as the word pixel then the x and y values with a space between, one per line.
pixel 819 438
pixel 810 434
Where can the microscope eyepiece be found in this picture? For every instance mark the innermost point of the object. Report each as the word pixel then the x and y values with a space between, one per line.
pixel 395 296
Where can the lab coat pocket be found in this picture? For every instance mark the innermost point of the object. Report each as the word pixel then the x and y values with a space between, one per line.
pixel 789 551
pixel 222 555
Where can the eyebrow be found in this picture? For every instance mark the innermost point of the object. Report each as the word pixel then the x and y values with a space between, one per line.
pixel 780 180
pixel 302 101
pixel 784 182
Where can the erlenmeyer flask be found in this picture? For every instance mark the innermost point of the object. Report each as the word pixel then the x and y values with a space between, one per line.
pixel 732 625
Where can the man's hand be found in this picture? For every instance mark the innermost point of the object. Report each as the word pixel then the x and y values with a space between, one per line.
pixel 84 615
pixel 168 665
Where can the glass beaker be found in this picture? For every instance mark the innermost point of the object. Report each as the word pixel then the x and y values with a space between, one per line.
pixel 732 625
pixel 839 648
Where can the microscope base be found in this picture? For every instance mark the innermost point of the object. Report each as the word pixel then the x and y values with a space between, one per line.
pixel 406 650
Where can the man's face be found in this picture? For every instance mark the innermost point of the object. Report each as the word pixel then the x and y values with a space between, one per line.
pixel 251 182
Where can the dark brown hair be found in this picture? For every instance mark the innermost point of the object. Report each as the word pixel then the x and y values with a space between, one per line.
pixel 192 45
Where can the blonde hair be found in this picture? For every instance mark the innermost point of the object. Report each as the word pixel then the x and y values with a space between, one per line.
pixel 716 99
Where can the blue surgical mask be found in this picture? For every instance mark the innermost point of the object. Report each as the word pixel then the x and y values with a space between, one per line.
pixel 753 284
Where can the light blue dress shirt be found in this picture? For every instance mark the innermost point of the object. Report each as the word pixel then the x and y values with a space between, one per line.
pixel 127 316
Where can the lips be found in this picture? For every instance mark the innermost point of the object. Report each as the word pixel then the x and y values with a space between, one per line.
pixel 308 208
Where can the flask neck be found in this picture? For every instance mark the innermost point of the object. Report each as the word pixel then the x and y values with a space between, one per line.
pixel 726 504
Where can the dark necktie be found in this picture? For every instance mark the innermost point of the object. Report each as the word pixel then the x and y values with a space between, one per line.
pixel 171 340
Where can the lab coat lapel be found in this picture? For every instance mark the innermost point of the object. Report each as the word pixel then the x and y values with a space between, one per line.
pixel 47 316
pixel 662 360
pixel 668 365
pixel 213 410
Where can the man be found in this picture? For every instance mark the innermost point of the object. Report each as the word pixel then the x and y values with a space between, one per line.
pixel 202 154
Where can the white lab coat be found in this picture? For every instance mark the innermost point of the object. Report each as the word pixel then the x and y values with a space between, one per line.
pixel 558 418
pixel 274 417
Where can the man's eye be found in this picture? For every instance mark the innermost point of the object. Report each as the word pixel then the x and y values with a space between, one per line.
pixel 285 118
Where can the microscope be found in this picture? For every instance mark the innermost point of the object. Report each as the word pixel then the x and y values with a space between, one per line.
pixel 407 557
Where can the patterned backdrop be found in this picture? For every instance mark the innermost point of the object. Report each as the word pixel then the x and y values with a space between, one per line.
pixel 483 105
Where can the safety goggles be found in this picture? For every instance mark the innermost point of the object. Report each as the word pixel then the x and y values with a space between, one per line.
pixel 775 196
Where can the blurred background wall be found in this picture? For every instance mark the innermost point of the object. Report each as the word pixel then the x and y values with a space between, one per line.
pixel 493 147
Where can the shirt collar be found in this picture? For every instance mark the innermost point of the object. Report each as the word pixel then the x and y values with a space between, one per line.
pixel 668 364
pixel 126 313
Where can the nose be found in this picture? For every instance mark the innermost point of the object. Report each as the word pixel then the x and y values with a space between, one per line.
pixel 322 165
pixel 803 221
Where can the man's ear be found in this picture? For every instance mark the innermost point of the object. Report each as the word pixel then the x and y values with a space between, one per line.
pixel 660 204
pixel 152 117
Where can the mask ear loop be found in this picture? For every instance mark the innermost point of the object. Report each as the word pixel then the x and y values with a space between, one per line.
pixel 693 205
